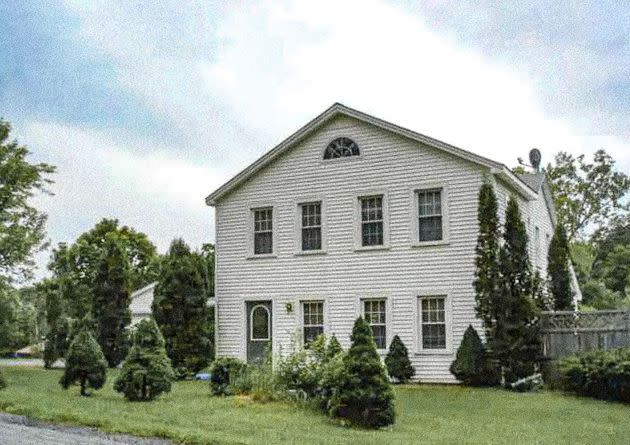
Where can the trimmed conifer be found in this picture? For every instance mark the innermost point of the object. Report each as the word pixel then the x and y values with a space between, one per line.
pixel 180 310
pixel 364 395
pixel 397 361
pixel 515 342
pixel 487 280
pixel 111 301
pixel 333 348
pixel 471 364
pixel 558 270
pixel 146 372
pixel 85 364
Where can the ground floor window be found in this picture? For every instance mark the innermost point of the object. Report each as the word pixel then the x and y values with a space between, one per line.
pixel 313 321
pixel 433 322
pixel 375 314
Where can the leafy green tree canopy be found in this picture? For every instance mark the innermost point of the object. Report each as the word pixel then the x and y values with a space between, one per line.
pixel 22 226
pixel 587 193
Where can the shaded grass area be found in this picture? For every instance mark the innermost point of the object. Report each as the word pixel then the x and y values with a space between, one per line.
pixel 426 414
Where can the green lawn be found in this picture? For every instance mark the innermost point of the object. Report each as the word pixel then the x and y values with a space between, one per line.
pixel 426 414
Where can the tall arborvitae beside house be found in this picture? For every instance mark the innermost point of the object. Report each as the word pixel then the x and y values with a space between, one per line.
pixel 111 301
pixel 397 361
pixel 487 258
pixel 515 342
pixel 180 310
pixel 558 270
pixel 85 364
pixel 364 394
pixel 146 372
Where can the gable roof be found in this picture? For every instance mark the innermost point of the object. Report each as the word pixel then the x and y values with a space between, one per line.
pixel 540 184
pixel 338 109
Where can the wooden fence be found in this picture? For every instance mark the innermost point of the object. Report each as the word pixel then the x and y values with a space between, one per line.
pixel 566 333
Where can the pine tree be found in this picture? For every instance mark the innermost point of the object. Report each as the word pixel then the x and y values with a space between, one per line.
pixel 180 310
pixel 471 365
pixel 397 361
pixel 515 342
pixel 364 395
pixel 558 270
pixel 111 301
pixel 146 372
pixel 487 258
pixel 85 364
pixel 333 348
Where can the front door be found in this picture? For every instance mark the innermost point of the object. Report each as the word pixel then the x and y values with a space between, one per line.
pixel 259 333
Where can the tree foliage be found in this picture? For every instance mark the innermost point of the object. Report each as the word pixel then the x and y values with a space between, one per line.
pixel 180 309
pixel 587 193
pixel 146 372
pixel 365 396
pixel 487 258
pixel 111 300
pixel 558 259
pixel 471 364
pixel 515 342
pixel 85 364
pixel 22 226
pixel 397 361
pixel 3 382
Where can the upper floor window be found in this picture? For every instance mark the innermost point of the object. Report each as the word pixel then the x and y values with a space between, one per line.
pixel 311 226
pixel 372 220
pixel 341 148
pixel 430 215
pixel 263 231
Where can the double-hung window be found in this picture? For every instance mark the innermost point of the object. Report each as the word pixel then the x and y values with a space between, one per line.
pixel 313 322
pixel 372 221
pixel 433 322
pixel 263 231
pixel 430 215
pixel 311 226
pixel 374 313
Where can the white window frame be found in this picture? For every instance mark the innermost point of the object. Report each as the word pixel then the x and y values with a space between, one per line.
pixel 298 225
pixel 358 220
pixel 415 213
pixel 251 207
pixel 418 297
pixel 324 162
pixel 388 318
pixel 301 315
pixel 251 323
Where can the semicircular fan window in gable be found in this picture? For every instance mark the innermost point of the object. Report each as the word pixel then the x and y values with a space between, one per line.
pixel 341 148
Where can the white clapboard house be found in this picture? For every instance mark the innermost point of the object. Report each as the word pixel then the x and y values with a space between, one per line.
pixel 352 215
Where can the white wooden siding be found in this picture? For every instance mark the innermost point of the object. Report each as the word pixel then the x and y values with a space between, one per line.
pixel 344 275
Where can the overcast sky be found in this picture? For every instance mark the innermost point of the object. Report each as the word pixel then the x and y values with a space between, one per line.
pixel 147 109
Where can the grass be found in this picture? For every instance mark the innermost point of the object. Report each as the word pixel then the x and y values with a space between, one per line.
pixel 426 414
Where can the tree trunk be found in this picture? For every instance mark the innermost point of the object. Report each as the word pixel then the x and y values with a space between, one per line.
pixel 83 391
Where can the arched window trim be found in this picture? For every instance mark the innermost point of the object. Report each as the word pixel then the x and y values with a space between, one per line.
pixel 344 156
pixel 251 323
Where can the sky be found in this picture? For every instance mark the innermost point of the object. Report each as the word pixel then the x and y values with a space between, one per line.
pixel 147 107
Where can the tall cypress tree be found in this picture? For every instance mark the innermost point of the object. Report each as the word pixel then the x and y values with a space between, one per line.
pixel 180 310
pixel 515 342
pixel 111 301
pixel 558 270
pixel 487 260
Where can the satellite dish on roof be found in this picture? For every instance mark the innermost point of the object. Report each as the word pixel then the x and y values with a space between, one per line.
pixel 535 158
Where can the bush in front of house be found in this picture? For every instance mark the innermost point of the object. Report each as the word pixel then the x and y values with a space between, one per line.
pixel 397 361
pixel 472 365
pixel 224 371
pixel 364 395
pixel 598 374
pixel 85 364
pixel 146 372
